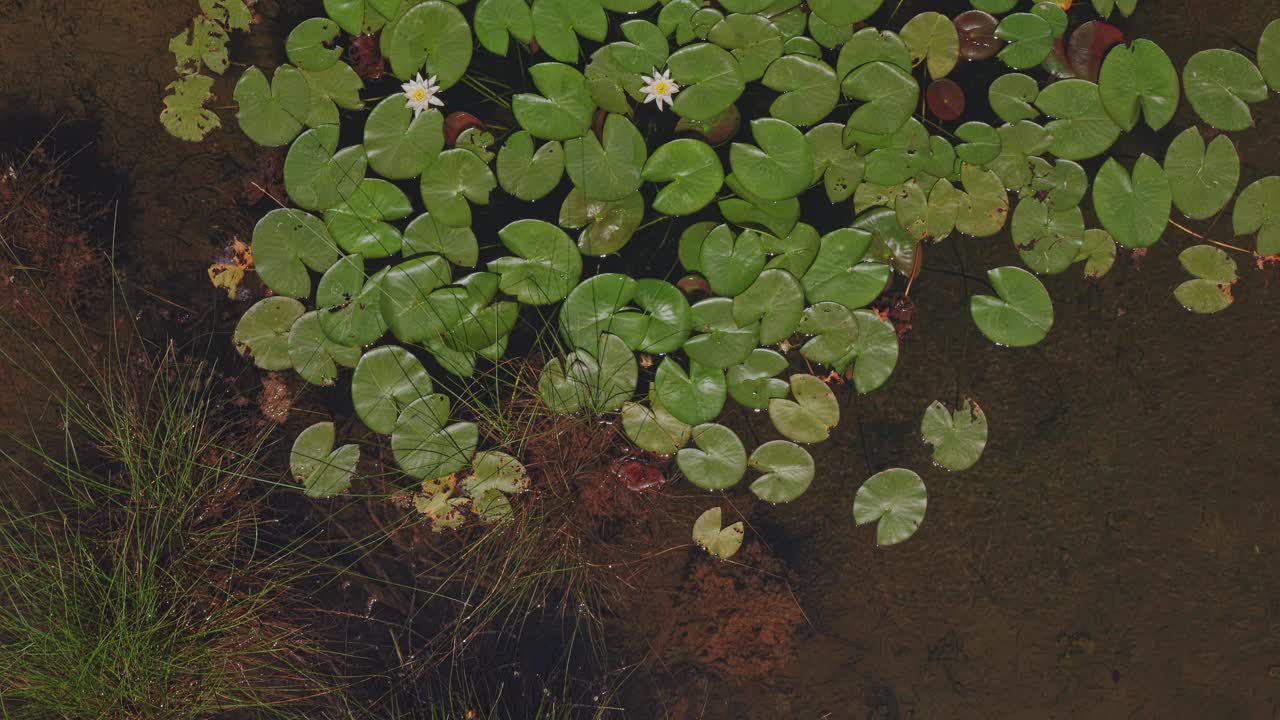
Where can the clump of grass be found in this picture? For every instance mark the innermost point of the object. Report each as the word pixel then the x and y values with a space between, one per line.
pixel 140 588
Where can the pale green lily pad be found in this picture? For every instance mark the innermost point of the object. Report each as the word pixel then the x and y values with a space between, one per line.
pixel 788 470
pixel 958 438
pixel 1048 240
pixel 776 301
pixel 842 273
pixel 318 176
pixel 456 177
pixel 1257 210
pixel 400 146
pixel 694 397
pixel 1135 210
pixel 607 225
pixel 590 307
pixel 426 234
pixel 664 323
pixel 834 333
pixel 888 94
pixel 1011 96
pixel 897 499
pixel 750 210
pixel 547 265
pixel 874 354
pixel 654 429
pixel 809 87
pixel 558 23
pixel 1202 179
pixel 287 243
pixel 494 471
pixel 527 174
pixel 599 381
pixel 719 341
pixel 717 462
pixel 731 263
pixel 1269 54
pixel 432 37
pixel 1083 128
pixel 272 113
pixel 323 471
pixel 932 37
pixel 1029 37
pixel 1220 85
pixel 1022 314
pixel 1215 274
pixel 426 446
pixel 361 225
pixel 1098 253
pixel 811 416
pixel 361 16
pixel 564 109
pixel 720 542
pixel 352 302
pixel 780 168
pixel 981 142
pixel 710 80
pixel 314 356
pixel 844 12
pixel 310 45
pixel 497 21
pixel 753 40
pixel 694 172
pixel 386 381
pixel 754 382
pixel 1139 81
pixel 610 170
pixel 263 332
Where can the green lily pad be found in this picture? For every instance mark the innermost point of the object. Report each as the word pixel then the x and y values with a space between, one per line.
pixel 844 12
pixel 456 177
pixel 411 305
pixel 432 37
pixel 932 37
pixel 958 438
pixel 717 462
pixel 1220 85
pixel 1139 81
pixel 602 380
pixel 1269 54
pixel 1135 210
pixel 1083 128
pixel 870 45
pixel 891 243
pixel 788 471
pixel 361 224
pixel 1011 96
pixel 1063 183
pixel 352 302
pixel 1215 274
pixel 1098 253
pixel 185 115
pixel 775 301
pixel 693 171
pixel 386 381
pixel 400 146
pixel 694 397
pixel 1029 37
pixel 750 210
pixel 317 175
pixel 897 499
pixel 310 45
pixel 888 94
pixel 494 471
pixel 834 333
pixel 664 322
pixel 754 382
pixel 710 80
pixel 426 234
pixel 720 341
pixel 839 168
pixel 720 542
pixel 981 143
pixel 1047 240
pixel 564 109
pixel 1022 314
pixel 484 327
pixel 526 174
pixel 337 87
pixel 780 168
pixel 809 87
pixel 931 216
pixel 272 113
pixel 753 40
pixel 497 21
pixel 1257 210
pixel 608 225
pixel 811 416
pixel 646 47
pixel 609 170
pixel 841 273
pixel 426 446
pixel 287 243
pixel 558 23
pixel 358 17
pixel 731 263
pixel 1201 180
pixel 314 356
pixel 547 264
pixel 654 429
pixel 874 354
pixel 323 471
pixel 590 307
pixel 263 332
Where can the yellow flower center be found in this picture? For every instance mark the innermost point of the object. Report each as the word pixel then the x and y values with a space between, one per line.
pixel 419 94
pixel 662 88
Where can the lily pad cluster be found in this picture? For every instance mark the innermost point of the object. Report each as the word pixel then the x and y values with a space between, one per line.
pixel 384 263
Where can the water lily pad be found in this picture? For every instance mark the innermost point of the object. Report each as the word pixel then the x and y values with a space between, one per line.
pixel 788 471
pixel 731 263
pixel 811 416
pixel 809 87
pixel 527 174
pixel 780 168
pixel 1083 128
pixel 654 429
pixel 717 462
pixel 663 323
pixel 362 224
pixel 931 37
pixel 834 333
pixel 710 80
pixel 753 40
pixel 608 170
pixel 776 301
pixel 564 109
pixel 317 175
pixel 456 177
pixel 483 327
pixel 645 48
pixel 844 12
pixel 1201 179
pixel 984 207
pixel 1029 37
pixel 415 303
pixel 1269 54
pixel 494 471
pixel 400 146
pixel 314 356
pixel 263 332
pixel 981 143
pixel 323 471
pixel 310 45
pixel 426 445
pixel 1135 210
pixel 1220 85
pixel 426 234
pixel 1011 96
pixel 720 542
pixel 1063 184
pixel 361 16
pixel 1139 81
pixel 352 302
pixel 1257 210
pixel 1022 314
pixel 547 263
pixel 840 169
pixel 590 307
pixel 896 500
pixel 287 243
pixel 336 87
pixel 272 113
pixel 1098 253
pixel 888 94
pixel 600 381
pixel 750 210
pixel 386 381
pixel 1215 274
pixel 958 438
pixel 1048 240
pixel 431 37
pixel 874 354
pixel 694 172
pixel 608 225
pixel 558 23
pixel 497 21
pixel 841 273
pixel 694 397
pixel 719 341
pixel 754 382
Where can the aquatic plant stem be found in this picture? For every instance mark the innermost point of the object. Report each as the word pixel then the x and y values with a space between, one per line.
pixel 1198 236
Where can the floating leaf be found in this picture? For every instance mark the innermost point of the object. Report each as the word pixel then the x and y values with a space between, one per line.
pixel 717 462
pixel 839 168
pixel 754 382
pixel 981 143
pixel 1098 252
pixel 1083 129
pixel 1215 273
pixel 548 264
pixel 809 87
pixel 870 45
pixel 994 6
pixel 400 146
pixel 731 263
pixel 1257 210
pixel 945 99
pixel 323 471
pixel 386 381
pixel 564 109
pixel 664 324
pixel 1220 85
pixel 206 41
pixel 710 80
pixel 360 225
pixel 426 446
pixel 288 242
pixel 984 208
pixel 609 170
pixel 753 40
pixel 720 542
pixel 788 471
pixel 1048 240
pixel 977 33
pixel 426 234
pixel 1135 210
pixel 314 356
pixel 411 305
pixel 1201 180
pixel 590 307
pixel 432 37
pixel 694 397
pixel 751 210
pixel 931 36
pixel 834 333
pixel 811 416
pixel 1011 96
pixel 1139 80
pixel 844 12
pixel 1022 314
pixel 337 87
pixel 693 171
pixel 526 174
pixel 721 342
pixel 897 499
pixel 351 302
pixel 959 438
pixel 608 225
pixel 780 168
pixel 263 332
pixel 558 23
pixel 874 354
pixel 889 95
pixel 1269 54
pixel 776 301
pixel 358 17
pixel 1030 39
pixel 310 45
pixel 272 113
pixel 317 175
pixel 456 177
pixel 654 429
pixel 184 114
pixel 841 272
pixel 496 21
pixel 493 471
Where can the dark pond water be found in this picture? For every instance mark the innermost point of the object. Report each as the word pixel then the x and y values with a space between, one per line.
pixel 1113 555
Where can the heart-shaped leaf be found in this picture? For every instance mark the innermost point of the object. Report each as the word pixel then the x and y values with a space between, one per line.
pixel 432 37
pixel 409 303
pixel 811 416
pixel 897 499
pixel 493 471
pixel 1011 96
pixel 874 354
pixel 399 144
pixel 788 471
pixel 844 12
pixel 1047 240
pixel 317 175
pixel 981 143
pixel 336 87
pixel 664 323
pixel 1139 80
pixel 984 207
pixel 310 45
pixel 590 307
pixel 958 438
pixel 1220 85
pixel 839 273
pixel 839 168
pixel 834 333
pixel 386 381
pixel 1030 39
pixel 558 23
pixel 654 429
pixel 526 174
pixel 601 381
pixel 496 21
pixel 547 263
pixel 1022 314
pixel 809 87
pixel 351 302
pixel 358 17
pixel 609 170
pixel 1135 210
pixel 870 45
pixel 286 244
pixel 323 471
pixel 314 356
pixel 720 542
pixel 646 46
pixel 693 171
pixel 426 234
pixel 1098 253
pixel 1083 128
pixel 775 301
pixel 1269 54
pixel 263 332
pixel 720 342
pixel 1201 180
pixel 1257 210
pixel 273 113
pixel 710 80
pixel 731 263
pixel 457 176
pixel 719 461
pixel 1215 274
pixel 889 95
pixel 694 397
pixel 360 225
pixel 425 445
pixel 931 36
pixel 754 41
pixel 780 168
pixel 607 224
pixel 754 382
pixel 563 111
pixel 751 210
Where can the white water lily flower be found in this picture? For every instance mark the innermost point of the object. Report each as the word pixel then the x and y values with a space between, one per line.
pixel 660 88
pixel 422 94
